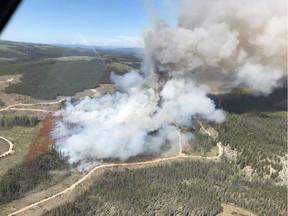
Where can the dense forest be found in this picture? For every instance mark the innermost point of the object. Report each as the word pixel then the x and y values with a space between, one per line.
pixel 38 80
pixel 259 138
pixel 182 188
pixel 202 143
pixel 12 121
pixel 25 177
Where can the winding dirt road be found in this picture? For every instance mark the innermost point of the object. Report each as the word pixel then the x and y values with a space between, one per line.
pixel 70 188
pixel 10 151
pixel 180 155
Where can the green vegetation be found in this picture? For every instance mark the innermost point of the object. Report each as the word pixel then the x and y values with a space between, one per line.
pixel 259 138
pixel 20 52
pixel 50 78
pixel 22 178
pixel 118 68
pixel 202 143
pixel 177 188
pixel 50 71
pixel 2 103
pixel 128 58
pixel 12 121
pixel 183 187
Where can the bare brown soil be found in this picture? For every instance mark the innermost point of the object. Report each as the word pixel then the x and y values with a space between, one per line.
pixel 42 141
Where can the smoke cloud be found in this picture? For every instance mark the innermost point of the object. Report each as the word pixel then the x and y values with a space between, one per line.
pixel 137 120
pixel 244 41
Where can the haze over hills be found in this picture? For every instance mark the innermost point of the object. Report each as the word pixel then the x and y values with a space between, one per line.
pixel 124 49
pixel 135 50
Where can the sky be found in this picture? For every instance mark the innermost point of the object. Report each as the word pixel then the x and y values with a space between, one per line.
pixel 88 22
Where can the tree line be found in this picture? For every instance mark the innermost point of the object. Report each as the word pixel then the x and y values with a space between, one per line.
pixel 12 121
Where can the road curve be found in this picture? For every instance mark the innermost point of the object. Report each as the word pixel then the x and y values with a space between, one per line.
pixel 10 150
pixel 180 155
pixel 99 167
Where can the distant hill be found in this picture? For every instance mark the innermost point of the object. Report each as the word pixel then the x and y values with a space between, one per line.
pixel 120 49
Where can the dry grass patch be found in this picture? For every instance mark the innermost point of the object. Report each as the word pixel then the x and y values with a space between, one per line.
pixel 4 146
pixel 21 138
pixel 229 210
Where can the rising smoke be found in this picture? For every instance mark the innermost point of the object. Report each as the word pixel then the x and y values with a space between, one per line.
pixel 244 41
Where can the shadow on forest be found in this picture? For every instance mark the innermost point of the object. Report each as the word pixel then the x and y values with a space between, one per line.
pixel 241 103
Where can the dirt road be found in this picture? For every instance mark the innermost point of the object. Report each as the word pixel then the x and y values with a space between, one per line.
pixel 12 107
pixel 70 188
pixel 10 151
pixel 219 144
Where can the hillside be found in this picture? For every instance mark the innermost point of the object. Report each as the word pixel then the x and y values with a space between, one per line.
pixel 49 71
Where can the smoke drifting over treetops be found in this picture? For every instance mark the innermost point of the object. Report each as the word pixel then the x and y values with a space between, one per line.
pixel 244 41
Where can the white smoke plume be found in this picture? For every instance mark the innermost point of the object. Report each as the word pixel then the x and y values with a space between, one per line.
pixel 135 121
pixel 243 40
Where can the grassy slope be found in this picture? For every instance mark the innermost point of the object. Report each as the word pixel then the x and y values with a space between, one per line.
pixel 21 137
pixel 4 146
